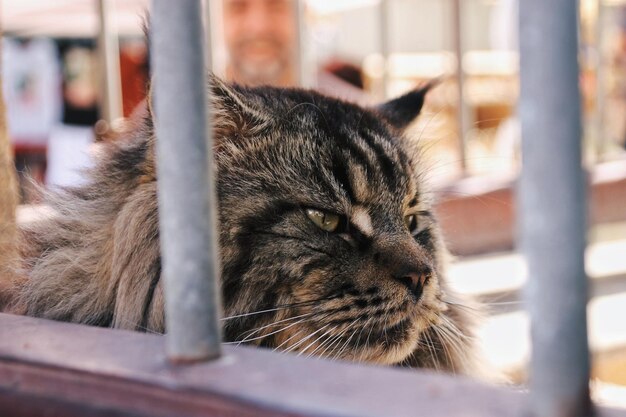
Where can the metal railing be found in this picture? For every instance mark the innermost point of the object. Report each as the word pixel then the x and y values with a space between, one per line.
pixel 186 192
pixel 552 207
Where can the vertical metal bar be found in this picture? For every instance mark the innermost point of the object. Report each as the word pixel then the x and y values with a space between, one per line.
pixel 108 49
pixel 208 36
pixel 552 209
pixel 186 193
pixel 462 113
pixel 385 47
pixel 301 70
pixel 215 25
pixel 601 140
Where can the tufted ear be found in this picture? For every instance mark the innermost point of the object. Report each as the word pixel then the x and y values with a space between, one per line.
pixel 235 109
pixel 401 111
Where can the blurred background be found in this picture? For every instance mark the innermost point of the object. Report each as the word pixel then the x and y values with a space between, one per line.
pixel 74 70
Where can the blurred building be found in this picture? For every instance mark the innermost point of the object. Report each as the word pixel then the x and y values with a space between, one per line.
pixel 469 127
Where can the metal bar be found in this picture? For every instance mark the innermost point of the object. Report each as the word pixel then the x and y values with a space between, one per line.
pixel 208 36
pixel 303 77
pixel 214 23
pixel 552 209
pixel 186 193
pixel 385 47
pixel 108 48
pixel 601 139
pixel 462 112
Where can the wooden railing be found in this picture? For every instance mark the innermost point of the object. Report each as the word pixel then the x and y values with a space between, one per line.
pixel 73 370
pixel 60 369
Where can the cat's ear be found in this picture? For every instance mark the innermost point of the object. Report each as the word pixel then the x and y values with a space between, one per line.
pixel 401 111
pixel 234 108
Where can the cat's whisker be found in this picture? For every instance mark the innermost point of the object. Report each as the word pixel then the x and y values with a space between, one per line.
pixel 457 304
pixel 505 303
pixel 363 349
pixel 444 343
pixel 458 337
pixel 249 338
pixel 334 340
pixel 368 337
pixel 341 335
pixel 450 345
pixel 237 316
pixel 323 342
pixel 330 345
pixel 287 341
pixel 278 308
pixel 139 327
pixel 268 334
pixel 322 315
pixel 357 344
pixel 470 310
pixel 432 349
pixel 455 344
pixel 301 341
pixel 346 344
pixel 386 317
pixel 451 326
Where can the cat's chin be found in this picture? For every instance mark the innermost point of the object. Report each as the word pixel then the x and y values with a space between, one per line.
pixel 383 345
pixel 388 346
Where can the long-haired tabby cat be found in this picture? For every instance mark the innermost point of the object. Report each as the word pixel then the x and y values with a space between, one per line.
pixel 328 242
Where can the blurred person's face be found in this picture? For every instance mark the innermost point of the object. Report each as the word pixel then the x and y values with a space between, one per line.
pixel 260 38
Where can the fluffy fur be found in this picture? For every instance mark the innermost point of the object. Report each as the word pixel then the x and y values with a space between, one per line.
pixel 371 290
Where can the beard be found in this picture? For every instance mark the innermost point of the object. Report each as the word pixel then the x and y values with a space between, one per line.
pixel 260 61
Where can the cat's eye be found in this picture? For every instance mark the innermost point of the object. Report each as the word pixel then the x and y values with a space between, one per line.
pixel 410 222
pixel 418 222
pixel 324 220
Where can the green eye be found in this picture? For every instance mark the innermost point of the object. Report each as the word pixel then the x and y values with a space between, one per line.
pixel 323 220
pixel 410 222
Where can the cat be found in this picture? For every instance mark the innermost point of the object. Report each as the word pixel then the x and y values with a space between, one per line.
pixel 329 244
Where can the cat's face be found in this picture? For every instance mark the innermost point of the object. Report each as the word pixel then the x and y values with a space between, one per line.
pixel 329 246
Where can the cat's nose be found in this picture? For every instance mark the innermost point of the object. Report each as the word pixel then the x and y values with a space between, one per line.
pixel 415 279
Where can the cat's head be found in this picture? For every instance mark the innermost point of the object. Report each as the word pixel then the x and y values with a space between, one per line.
pixel 329 244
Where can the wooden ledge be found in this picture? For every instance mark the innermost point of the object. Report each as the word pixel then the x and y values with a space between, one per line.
pixel 80 370
pixel 73 370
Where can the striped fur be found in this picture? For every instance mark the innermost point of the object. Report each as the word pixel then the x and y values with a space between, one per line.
pixel 287 284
